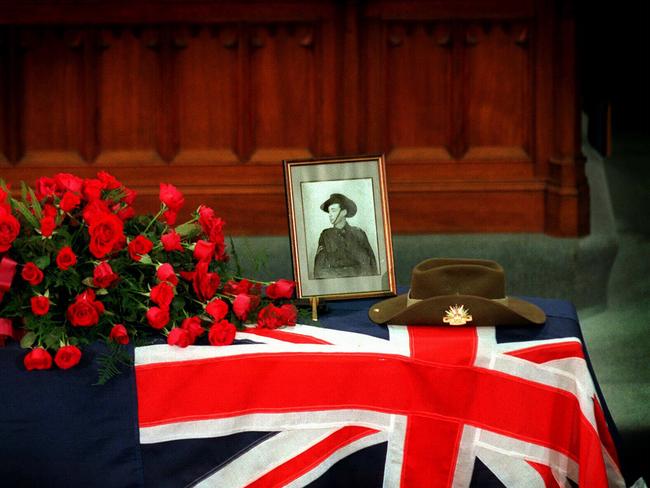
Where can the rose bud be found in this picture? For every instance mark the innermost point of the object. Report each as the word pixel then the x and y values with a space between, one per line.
pixel 222 333
pixel 32 274
pixel 193 326
pixel 179 337
pixel 67 357
pixel 157 317
pixel 66 258
pixel 37 358
pixel 217 308
pixel 119 334
pixel 40 305
pixel 280 289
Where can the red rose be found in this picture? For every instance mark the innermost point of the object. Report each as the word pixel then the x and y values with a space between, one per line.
pixel 92 189
pixel 37 358
pixel 205 284
pixel 288 314
pixel 108 180
pixel 157 317
pixel 85 310
pixel 235 288
pixel 187 275
pixel 126 213
pixel 203 250
pixel 165 272
pixel 32 274
pixel 179 337
pixel 94 210
pixel 139 246
pixel 193 326
pixel 217 308
pixel 270 317
pixel 9 229
pixel 66 258
pixel 69 201
pixel 40 305
pixel 171 241
pixel 49 210
pixel 66 181
pixel 129 196
pixel 104 276
pixel 280 289
pixel 243 304
pixel 67 357
pixel 171 197
pixel 47 224
pixel 222 333
pixel 106 234
pixel 119 334
pixel 216 231
pixel 169 217
pixel 206 219
pixel 45 187
pixel 162 294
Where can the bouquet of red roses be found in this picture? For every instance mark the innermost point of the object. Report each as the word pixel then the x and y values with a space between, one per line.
pixel 77 265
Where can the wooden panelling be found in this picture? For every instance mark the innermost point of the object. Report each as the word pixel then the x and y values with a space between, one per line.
pixel 285 101
pixel 497 98
pixel 474 103
pixel 418 88
pixel 130 97
pixel 209 95
pixel 50 115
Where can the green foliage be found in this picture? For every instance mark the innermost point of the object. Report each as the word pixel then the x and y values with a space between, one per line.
pixel 111 363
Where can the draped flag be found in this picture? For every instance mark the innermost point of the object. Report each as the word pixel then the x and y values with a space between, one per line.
pixel 354 404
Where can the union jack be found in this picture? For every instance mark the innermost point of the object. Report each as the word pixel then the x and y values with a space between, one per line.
pixel 383 406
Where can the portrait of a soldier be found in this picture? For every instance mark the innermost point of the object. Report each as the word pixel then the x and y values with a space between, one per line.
pixel 343 250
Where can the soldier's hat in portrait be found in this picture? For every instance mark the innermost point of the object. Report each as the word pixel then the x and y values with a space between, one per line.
pixel 343 201
pixel 457 292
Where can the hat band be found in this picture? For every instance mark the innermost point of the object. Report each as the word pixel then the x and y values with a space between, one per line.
pixel 412 301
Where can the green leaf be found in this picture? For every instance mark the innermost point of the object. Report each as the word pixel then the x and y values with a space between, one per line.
pixel 28 340
pixel 35 204
pixel 26 213
pixel 111 362
pixel 146 259
pixel 52 341
pixel 88 281
pixel 178 303
pixel 42 261
pixel 233 253
pixel 101 291
pixel 23 191
pixel 185 230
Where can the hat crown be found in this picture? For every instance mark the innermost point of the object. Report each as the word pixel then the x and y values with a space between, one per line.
pixel 344 202
pixel 440 277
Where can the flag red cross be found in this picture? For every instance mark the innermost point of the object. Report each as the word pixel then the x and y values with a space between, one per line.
pixel 437 387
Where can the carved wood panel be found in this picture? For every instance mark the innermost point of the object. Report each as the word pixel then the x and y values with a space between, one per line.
pixel 497 78
pixel 474 103
pixel 418 88
pixel 209 95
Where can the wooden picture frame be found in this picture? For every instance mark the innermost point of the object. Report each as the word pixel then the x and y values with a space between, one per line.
pixel 341 242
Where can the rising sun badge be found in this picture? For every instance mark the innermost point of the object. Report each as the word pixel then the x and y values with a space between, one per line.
pixel 457 315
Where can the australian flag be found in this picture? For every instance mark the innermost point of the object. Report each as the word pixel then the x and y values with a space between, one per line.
pixel 341 403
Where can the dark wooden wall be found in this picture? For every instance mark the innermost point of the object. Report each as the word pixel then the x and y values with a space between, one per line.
pixel 473 102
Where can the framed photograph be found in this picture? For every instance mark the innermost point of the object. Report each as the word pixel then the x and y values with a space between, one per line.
pixel 339 226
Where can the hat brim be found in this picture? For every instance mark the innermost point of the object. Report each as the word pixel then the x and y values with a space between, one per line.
pixel 431 311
